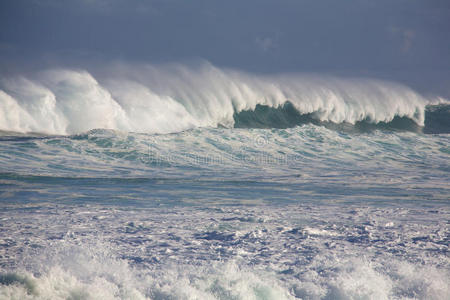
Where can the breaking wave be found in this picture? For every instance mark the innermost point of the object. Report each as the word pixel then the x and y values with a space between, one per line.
pixel 176 98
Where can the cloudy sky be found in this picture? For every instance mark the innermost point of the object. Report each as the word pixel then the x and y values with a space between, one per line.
pixel 403 40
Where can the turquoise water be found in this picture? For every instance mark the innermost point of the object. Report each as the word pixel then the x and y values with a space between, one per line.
pixel 308 163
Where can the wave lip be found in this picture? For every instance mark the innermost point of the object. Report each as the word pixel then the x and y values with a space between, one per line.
pixel 176 98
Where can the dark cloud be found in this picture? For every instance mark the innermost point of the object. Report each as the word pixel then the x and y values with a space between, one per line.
pixel 385 37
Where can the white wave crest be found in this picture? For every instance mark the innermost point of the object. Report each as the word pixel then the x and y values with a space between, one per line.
pixel 176 98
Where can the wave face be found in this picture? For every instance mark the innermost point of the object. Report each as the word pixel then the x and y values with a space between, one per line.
pixel 436 120
pixel 176 98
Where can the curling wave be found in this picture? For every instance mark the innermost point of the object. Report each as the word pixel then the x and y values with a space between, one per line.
pixel 176 98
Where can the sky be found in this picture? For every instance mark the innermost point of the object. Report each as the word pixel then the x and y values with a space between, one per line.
pixel 401 40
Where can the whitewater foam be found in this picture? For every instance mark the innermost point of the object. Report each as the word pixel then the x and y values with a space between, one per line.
pixel 267 252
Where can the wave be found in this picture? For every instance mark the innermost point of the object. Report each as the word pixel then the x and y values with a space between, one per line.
pixel 437 120
pixel 175 98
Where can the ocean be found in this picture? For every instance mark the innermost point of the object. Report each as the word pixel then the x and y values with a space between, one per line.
pixel 182 182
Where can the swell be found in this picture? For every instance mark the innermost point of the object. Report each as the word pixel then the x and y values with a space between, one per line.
pixel 176 98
